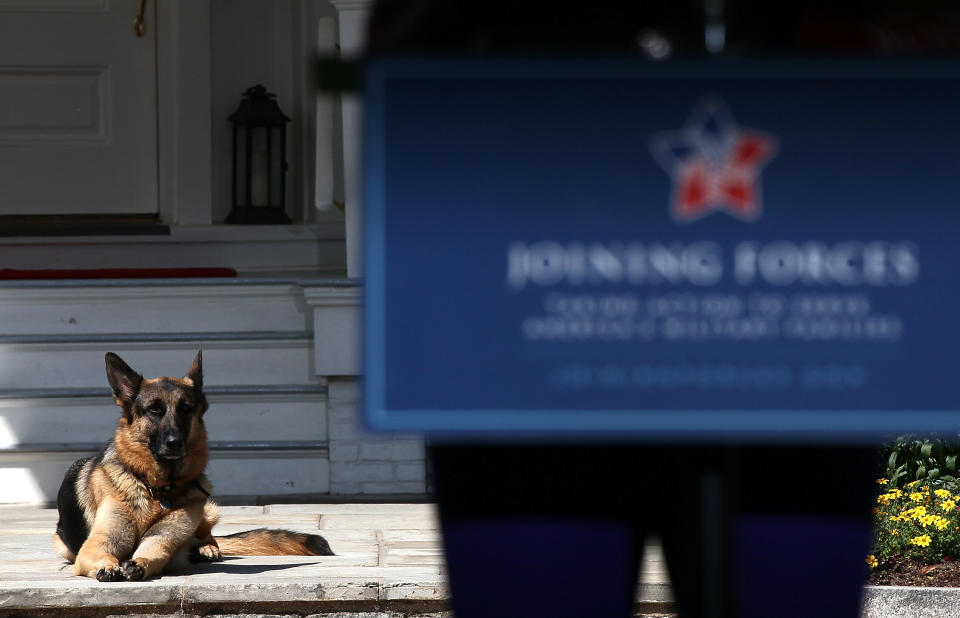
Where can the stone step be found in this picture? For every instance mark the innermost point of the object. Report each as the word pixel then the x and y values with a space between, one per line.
pixel 31 362
pixel 145 306
pixel 236 413
pixel 33 580
pixel 389 564
pixel 265 441
pixel 236 473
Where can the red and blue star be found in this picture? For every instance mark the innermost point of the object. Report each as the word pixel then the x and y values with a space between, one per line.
pixel 715 164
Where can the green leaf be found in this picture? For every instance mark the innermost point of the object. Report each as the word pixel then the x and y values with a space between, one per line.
pixel 896 476
pixel 926 450
pixel 951 461
pixel 921 472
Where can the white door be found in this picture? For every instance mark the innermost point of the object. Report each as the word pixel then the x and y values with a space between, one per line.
pixel 78 120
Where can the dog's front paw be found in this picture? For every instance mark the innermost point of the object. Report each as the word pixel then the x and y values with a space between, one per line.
pixel 110 574
pixel 132 571
pixel 206 553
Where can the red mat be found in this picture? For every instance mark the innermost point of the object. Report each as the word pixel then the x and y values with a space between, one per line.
pixel 8 274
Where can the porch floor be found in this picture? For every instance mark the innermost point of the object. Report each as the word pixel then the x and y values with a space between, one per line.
pixel 389 559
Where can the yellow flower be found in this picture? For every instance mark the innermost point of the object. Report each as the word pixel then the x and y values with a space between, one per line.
pixel 872 561
pixel 918 511
pixel 916 496
pixel 941 493
pixel 882 481
pixel 925 488
pixel 948 505
pixel 912 483
pixel 895 493
pixel 894 532
pixel 883 498
pixel 941 523
pixel 921 541
pixel 927 520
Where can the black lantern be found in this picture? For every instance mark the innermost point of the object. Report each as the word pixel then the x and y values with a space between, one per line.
pixel 259 159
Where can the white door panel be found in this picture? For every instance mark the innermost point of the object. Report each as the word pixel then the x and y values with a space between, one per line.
pixel 77 108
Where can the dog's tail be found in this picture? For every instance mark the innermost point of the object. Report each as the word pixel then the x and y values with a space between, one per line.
pixel 269 542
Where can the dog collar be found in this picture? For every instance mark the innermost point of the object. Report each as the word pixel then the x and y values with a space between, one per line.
pixel 157 493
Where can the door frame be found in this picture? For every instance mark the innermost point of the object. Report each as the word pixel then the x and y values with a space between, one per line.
pixel 184 161
pixel 184 123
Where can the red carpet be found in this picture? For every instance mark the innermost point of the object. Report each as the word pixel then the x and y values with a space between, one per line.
pixel 8 274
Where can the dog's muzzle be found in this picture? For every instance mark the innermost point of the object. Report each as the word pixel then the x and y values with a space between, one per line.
pixel 170 446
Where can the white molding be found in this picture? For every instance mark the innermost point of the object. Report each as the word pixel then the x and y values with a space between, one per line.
pixel 184 139
pixel 332 296
pixel 336 329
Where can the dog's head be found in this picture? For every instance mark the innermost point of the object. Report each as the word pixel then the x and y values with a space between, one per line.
pixel 163 413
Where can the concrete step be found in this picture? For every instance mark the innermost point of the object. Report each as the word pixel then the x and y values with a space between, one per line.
pixel 389 563
pixel 268 418
pixel 266 441
pixel 236 413
pixel 254 472
pixel 33 581
pixel 261 358
pixel 121 306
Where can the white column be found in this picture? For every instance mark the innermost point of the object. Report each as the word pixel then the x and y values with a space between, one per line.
pixel 353 15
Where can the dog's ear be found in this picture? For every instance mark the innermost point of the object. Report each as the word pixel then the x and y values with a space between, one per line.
pixel 124 381
pixel 195 374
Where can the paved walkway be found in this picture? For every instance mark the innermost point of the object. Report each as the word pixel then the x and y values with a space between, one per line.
pixel 389 559
pixel 389 564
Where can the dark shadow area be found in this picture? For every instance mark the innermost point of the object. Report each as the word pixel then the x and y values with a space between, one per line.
pixel 227 568
pixel 82 225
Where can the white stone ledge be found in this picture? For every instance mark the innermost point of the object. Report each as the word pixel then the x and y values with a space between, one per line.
pixel 336 329
pixel 910 602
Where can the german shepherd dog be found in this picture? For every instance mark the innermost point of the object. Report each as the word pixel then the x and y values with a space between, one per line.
pixel 141 505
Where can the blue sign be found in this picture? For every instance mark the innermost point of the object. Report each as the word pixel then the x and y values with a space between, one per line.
pixel 704 250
